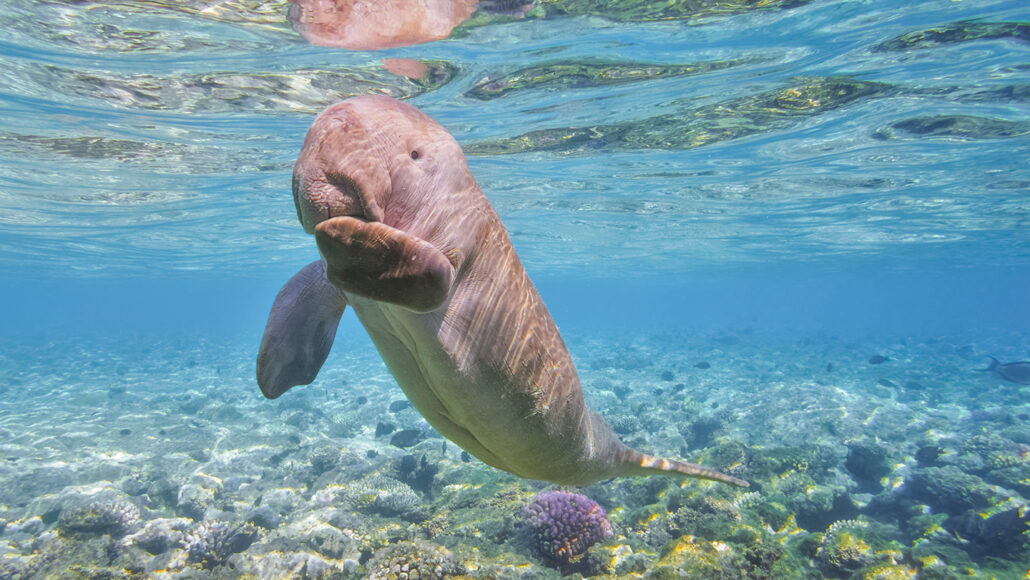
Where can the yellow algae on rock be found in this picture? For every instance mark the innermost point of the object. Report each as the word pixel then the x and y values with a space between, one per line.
pixel 843 553
pixel 695 558
pixel 889 572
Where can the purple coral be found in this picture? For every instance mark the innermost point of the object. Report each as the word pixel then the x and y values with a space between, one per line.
pixel 564 525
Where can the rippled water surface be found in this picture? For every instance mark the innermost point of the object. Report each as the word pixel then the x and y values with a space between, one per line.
pixel 142 132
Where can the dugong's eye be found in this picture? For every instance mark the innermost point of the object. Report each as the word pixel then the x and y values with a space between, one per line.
pixel 414 154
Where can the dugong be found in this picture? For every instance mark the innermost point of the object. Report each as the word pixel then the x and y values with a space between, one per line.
pixel 410 242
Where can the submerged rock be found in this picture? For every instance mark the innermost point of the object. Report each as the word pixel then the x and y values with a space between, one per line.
pixel 314 532
pixel 210 543
pixel 843 553
pixel 927 456
pixel 194 500
pixel 868 463
pixel 101 517
pixel 691 557
pixel 298 565
pixel 949 489
pixel 1005 534
pixel 160 535
pixel 324 459
pixel 418 559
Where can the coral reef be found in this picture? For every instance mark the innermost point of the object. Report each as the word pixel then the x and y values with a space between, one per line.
pixel 832 497
pixel 210 543
pixel 842 553
pixel 564 525
pixel 411 560
pixel 381 495
pixel 102 517
pixel 160 535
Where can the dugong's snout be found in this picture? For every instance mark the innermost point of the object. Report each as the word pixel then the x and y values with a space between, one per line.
pixel 334 175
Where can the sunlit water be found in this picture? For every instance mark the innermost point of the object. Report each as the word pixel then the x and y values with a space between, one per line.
pixel 777 189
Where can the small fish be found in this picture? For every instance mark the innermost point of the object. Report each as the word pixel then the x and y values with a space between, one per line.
pixel 877 359
pixel 1015 372
pixel 406 438
pixel 703 365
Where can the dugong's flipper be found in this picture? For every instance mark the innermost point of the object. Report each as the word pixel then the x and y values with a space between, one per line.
pixel 300 331
pixel 376 261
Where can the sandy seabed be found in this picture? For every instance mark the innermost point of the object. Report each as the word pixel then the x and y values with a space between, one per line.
pixel 145 457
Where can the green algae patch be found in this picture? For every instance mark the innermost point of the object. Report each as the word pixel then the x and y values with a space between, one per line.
pixel 689 128
pixel 641 11
pixel 957 33
pixel 586 74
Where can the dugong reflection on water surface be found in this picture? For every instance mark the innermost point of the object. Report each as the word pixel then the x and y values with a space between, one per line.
pixel 410 242
pixel 377 24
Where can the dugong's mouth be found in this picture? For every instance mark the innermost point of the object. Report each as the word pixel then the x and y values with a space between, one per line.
pixel 347 189
pixel 331 195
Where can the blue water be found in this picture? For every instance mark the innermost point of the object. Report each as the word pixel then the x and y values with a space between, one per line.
pixel 146 151
pixel 185 185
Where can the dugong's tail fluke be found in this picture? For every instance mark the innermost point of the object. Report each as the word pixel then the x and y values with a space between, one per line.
pixel 637 463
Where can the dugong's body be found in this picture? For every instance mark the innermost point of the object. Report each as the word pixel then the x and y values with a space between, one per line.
pixel 410 242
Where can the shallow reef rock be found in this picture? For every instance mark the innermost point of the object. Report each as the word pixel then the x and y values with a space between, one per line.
pixel 691 557
pixel 949 489
pixel 313 532
pixel 889 491
pixel 843 553
pixel 294 566
pixel 160 535
pixel 409 560
pixel 210 543
pixel 101 517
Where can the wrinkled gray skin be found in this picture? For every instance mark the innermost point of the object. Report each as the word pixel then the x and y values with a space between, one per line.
pixel 410 242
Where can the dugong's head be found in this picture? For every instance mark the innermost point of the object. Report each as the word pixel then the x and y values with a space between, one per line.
pixel 376 159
